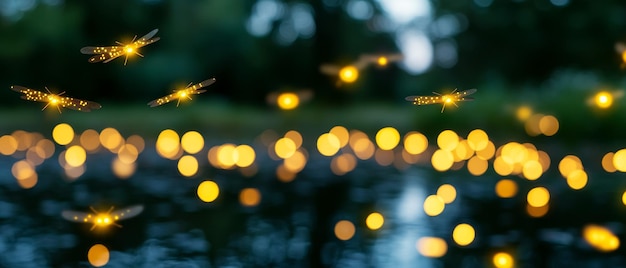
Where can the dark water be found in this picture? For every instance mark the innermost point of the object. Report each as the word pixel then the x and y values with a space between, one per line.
pixel 293 224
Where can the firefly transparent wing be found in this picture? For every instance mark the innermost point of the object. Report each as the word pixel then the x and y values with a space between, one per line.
pixel 75 216
pixel 63 102
pixel 192 90
pixel 127 213
pixel 103 54
pixel 424 100
pixel 147 39
pixel 329 69
pixel 31 94
pixel 462 95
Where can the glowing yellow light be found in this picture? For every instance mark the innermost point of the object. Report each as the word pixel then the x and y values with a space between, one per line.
pixel 136 141
pixel 442 160
pixel 328 144
pixel 601 238
pixel 447 140
pixel 288 101
pixel 447 193
pixel 192 142
pixel 250 197
pixel 488 152
pixel 523 113
pixel 503 260
pixel 75 156
pixel 477 166
pixel 603 99
pixel 374 221
pixel 570 163
pixel 98 255
pixel 167 144
pixel 506 188
pixel 208 191
pixel 577 179
pixel 343 164
pixel 538 197
pixel 387 138
pixel 22 170
pixel 463 234
pixel 90 140
pixel 122 169
pixel 434 205
pixel 624 198
pixel 532 125
pixel 285 175
pixel 285 148
pixel 294 136
pixel 537 212
pixel 502 167
pixel 227 155
pixel 63 134
pixel 245 155
pixel 363 148
pixel 548 125
pixel 619 160
pixel 348 74
pixel 128 153
pixel 296 162
pixel 478 139
pixel 111 139
pixel 607 162
pixel 415 142
pixel 382 61
pixel 8 145
pixel 344 230
pixel 342 134
pixel 188 165
pixel 532 170
pixel 432 247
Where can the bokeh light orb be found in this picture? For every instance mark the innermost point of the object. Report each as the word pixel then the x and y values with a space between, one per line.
pixel 344 230
pixel 432 247
pixel 192 142
pixel 503 260
pixel 348 74
pixel 603 99
pixel 288 101
pixel 463 234
pixel 538 197
pixel 63 134
pixel 447 192
pixel 250 197
pixel 506 188
pixel 447 140
pixel 374 221
pixel 98 255
pixel 188 165
pixel 387 138
pixel 434 205
pixel 208 191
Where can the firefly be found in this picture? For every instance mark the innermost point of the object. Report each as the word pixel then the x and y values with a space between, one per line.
pixel 107 54
pixel 56 99
pixel 102 219
pixel 381 60
pixel 183 93
pixel 446 99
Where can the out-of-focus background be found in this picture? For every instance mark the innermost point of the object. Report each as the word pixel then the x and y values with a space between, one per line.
pixel 305 152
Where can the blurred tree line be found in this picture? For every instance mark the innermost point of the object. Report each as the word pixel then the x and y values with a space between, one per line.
pixel 509 41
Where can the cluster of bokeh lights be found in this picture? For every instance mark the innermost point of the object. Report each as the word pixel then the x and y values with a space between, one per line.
pixel 344 148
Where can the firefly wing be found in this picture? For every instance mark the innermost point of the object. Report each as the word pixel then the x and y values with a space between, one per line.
pixel 163 100
pixel 202 84
pixel 31 94
pixel 75 216
pixel 126 213
pixel 78 105
pixel 147 39
pixel 104 54
pixel 424 100
pixel 462 95
pixel 329 69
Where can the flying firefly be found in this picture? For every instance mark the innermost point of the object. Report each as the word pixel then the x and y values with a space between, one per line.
pixel 102 219
pixel 446 99
pixel 183 93
pixel 107 54
pixel 57 100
